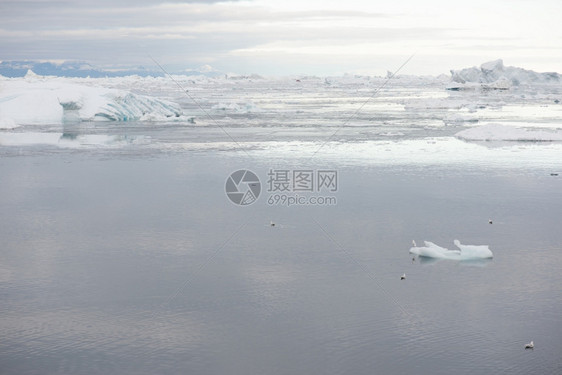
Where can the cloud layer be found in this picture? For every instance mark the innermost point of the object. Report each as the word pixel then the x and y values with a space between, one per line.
pixel 289 37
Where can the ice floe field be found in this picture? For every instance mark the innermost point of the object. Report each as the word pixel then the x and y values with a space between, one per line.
pixel 372 119
pixel 121 252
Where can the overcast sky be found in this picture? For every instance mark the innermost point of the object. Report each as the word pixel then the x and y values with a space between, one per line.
pixel 280 37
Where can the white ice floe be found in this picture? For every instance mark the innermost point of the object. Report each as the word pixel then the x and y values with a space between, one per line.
pixel 465 252
pixel 34 100
pixel 62 140
pixel 499 132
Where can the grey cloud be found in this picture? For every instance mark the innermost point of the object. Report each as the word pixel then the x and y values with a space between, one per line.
pixel 80 30
pixel 138 15
pixel 123 32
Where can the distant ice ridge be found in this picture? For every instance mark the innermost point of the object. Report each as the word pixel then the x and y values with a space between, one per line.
pixel 36 100
pixel 494 75
pixel 498 132
pixel 465 252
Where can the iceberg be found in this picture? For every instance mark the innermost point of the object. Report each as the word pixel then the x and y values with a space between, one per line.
pixel 499 132
pixel 465 252
pixel 493 75
pixel 35 100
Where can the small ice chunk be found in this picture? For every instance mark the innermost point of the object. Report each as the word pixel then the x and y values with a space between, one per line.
pixel 465 252
pixel 245 107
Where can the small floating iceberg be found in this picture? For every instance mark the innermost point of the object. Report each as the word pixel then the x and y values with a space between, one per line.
pixel 465 252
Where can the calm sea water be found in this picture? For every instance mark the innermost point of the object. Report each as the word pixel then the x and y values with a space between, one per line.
pixel 139 264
